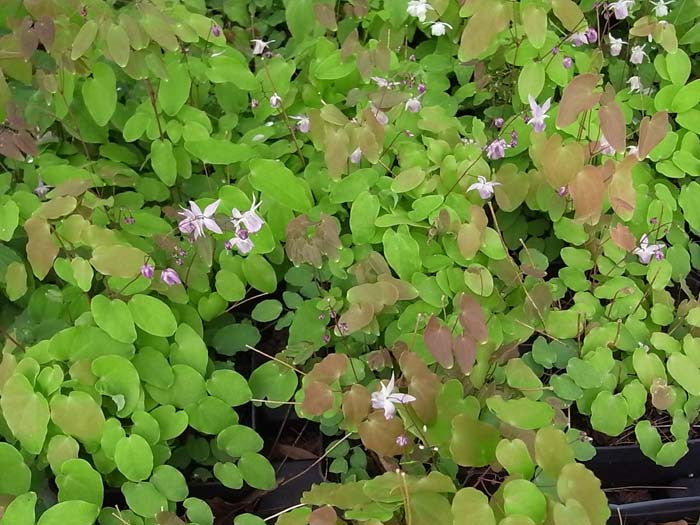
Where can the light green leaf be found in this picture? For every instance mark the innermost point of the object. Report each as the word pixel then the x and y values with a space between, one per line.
pixel 277 182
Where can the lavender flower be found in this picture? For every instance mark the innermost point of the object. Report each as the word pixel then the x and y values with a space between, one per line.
pixel 567 62
pixel 578 39
pixel 275 100
pixel 413 104
pixel 646 251
pixel 661 7
pixel 196 221
pixel 216 30
pixel 356 156
pixel 484 187
pixel 496 149
pixel 539 113
pixel 498 122
pixel 170 277
pixel 250 219
pixel 241 241
pixel 147 271
pixel 621 8
pixel 638 54
pixel 591 35
pixel 616 45
pixel 41 189
pixel 303 123
pixel 402 440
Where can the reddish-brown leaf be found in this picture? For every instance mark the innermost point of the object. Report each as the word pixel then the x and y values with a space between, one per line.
pixel 491 17
pixel 44 28
pixel 355 318
pixel 651 132
pixel 379 434
pixel 329 369
pixel 578 96
pixel 464 350
pixel 587 190
pixel 42 248
pixel 356 406
pixel 325 15
pixel 472 318
pixel 350 44
pixel 623 237
pixel 323 515
pixel 612 123
pixel 318 398
pixel 561 162
pixel 621 192
pixel 423 384
pixel 438 339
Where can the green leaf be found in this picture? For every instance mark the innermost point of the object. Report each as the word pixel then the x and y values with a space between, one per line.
pixel 117 376
pixel 515 458
pixel 473 442
pixel 87 427
pixel 688 199
pixel 531 80
pixel 83 39
pixel 687 98
pixel 170 482
pixel 402 253
pixel 20 511
pixel 229 285
pixel 100 93
pixel 218 151
pixel 15 280
pixel 163 161
pixel 273 381
pixel 685 372
pixel 118 45
pixel 26 413
pixel 152 315
pixel 236 440
pixel 172 423
pixel 144 498
pixel 300 20
pixel 523 498
pixel 16 474
pixel 117 260
pixel 134 457
pixel 9 219
pixel 609 413
pixel 521 413
pixel 174 90
pixel 479 280
pixel 153 368
pixel 233 69
pixel 229 475
pixel 678 66
pixel 210 415
pixel 79 481
pixel 229 386
pixel 198 511
pixel 259 273
pixel 363 213
pixel 277 182
pixel 471 507
pixel 190 349
pixel 266 311
pixel 70 512
pixel 257 471
pixel 114 317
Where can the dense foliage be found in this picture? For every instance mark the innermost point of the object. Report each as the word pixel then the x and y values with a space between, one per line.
pixel 460 236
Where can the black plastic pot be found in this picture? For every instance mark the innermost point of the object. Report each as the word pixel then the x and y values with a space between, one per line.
pixel 627 466
pixel 296 477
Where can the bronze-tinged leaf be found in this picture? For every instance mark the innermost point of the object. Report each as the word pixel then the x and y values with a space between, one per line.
pixel 423 384
pixel 612 123
pixel 42 248
pixel 569 14
pixel 329 369
pixel 318 397
pixel 490 18
pixel 379 359
pixel 368 144
pixel 464 349
pixel 8 148
pixel 336 151
pixel 587 190
pixel 469 239
pixel 379 434
pixel 356 406
pixel 364 63
pixel 578 96
pixel 323 515
pixel 621 192
pixel 651 132
pixel 643 27
pixel 355 318
pixel 374 126
pixel 477 216
pixel 472 318
pixel 325 15
pixel 45 30
pixel 28 38
pixel 560 163
pixel 662 395
pixel 350 45
pixel 438 339
pixel 26 143
pixel 537 303
pixel 405 291
pixel 623 237
pixel 381 56
pixel 166 517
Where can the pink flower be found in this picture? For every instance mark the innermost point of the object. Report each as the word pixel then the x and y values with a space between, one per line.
pixel 402 440
pixel 241 241
pixel 484 187
pixel 413 104
pixel 568 62
pixel 170 277
pixel 621 8
pixel 196 221
pixel 356 156
pixel 216 30
pixel 498 122
pixel 591 35
pixel 303 123
pixel 250 219
pixel 496 149
pixel 147 271
pixel 605 147
pixel 578 39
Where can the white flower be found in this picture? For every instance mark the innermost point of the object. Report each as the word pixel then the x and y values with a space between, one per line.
pixel 250 219
pixel 484 187
pixel 439 28
pixel 241 241
pixel 616 45
pixel 496 149
pixel 384 83
pixel 636 86
pixel 380 115
pixel 356 156
pixel 41 189
pixel 259 46
pixel 386 397
pixel 578 39
pixel 539 113
pixel 419 9
pixel 646 251
pixel 304 124
pixel 413 104
pixel 633 151
pixel 621 8
pixel 275 100
pixel 661 7
pixel 638 54
pixel 195 220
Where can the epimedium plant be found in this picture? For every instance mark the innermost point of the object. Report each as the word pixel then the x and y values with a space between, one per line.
pixel 499 192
